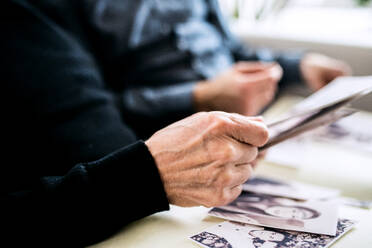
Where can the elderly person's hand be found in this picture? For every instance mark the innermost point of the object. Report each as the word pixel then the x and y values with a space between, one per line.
pixel 205 158
pixel 318 70
pixel 246 88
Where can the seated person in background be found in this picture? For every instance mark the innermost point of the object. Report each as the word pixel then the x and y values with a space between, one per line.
pixel 59 116
pixel 167 59
pixel 181 58
pixel 86 78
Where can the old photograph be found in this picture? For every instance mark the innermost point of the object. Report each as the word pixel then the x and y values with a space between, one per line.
pixel 312 216
pixel 238 235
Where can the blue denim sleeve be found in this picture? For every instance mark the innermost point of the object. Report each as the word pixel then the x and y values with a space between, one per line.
pixel 289 60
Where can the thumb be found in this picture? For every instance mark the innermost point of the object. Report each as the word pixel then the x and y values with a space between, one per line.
pixel 247 130
pixel 251 67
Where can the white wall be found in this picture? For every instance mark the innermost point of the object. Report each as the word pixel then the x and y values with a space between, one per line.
pixel 360 58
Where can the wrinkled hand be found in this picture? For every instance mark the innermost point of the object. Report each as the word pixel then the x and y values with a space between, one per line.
pixel 318 70
pixel 205 158
pixel 246 88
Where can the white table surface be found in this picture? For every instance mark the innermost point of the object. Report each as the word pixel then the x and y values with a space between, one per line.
pixel 172 228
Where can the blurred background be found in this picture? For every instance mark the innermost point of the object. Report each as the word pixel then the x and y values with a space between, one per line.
pixel 339 28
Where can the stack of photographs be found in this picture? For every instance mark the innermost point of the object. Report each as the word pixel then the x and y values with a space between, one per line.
pixel 238 235
pixel 274 213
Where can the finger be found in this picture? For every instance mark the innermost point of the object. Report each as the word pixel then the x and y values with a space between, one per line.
pixel 246 172
pixel 259 118
pixel 244 153
pixel 263 86
pixel 247 130
pixel 271 75
pixel 254 164
pixel 240 128
pixel 270 93
pixel 276 72
pixel 343 68
pixel 256 118
pixel 234 175
pixel 251 67
pixel 235 192
pixel 228 195
pixel 266 92
pixel 333 73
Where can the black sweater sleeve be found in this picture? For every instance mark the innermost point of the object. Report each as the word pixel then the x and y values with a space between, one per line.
pixel 57 115
pixel 90 203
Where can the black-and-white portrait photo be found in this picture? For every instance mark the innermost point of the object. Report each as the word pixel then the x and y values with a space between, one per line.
pixel 211 240
pixel 238 235
pixel 311 216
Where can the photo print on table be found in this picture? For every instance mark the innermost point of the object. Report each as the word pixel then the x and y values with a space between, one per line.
pixel 238 235
pixel 312 216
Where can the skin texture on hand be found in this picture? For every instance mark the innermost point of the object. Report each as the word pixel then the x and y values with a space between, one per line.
pixel 318 70
pixel 246 88
pixel 205 158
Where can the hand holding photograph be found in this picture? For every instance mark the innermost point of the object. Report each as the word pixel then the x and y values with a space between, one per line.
pixel 300 123
pixel 319 109
pixel 237 235
pixel 312 216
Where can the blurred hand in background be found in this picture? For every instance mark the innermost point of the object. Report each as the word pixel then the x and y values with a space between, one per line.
pixel 246 88
pixel 318 70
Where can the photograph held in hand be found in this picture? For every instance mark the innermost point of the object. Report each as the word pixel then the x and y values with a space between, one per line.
pixel 299 123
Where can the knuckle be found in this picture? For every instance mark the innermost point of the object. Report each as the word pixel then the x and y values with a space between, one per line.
pixel 217 123
pixel 226 178
pixel 212 117
pixel 246 173
pixel 203 115
pixel 229 153
pixel 227 197
pixel 215 199
pixel 222 197
pixel 238 191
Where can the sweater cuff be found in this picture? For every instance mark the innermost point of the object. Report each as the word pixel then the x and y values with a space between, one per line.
pixel 129 180
pixel 291 67
pixel 288 60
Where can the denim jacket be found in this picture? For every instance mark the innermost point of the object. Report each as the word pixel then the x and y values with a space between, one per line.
pixel 152 52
